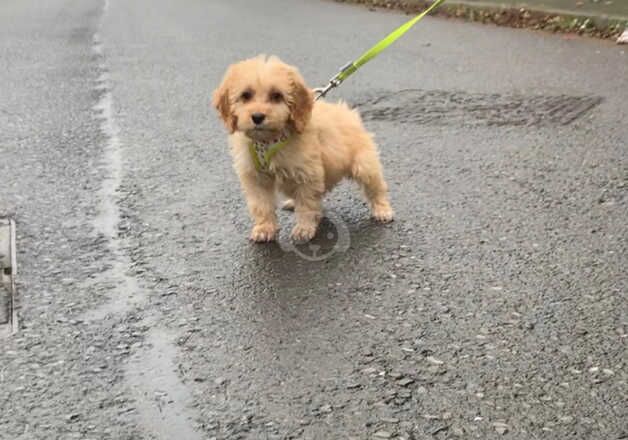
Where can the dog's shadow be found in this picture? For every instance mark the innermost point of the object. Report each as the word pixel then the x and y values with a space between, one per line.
pixel 295 292
pixel 341 250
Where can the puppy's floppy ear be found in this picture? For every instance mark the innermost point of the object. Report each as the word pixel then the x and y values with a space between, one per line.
pixel 301 101
pixel 222 103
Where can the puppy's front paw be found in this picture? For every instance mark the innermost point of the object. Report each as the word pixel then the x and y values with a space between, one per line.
pixel 303 232
pixel 264 233
pixel 383 213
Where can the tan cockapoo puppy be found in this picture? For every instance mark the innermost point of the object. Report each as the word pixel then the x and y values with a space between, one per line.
pixel 263 101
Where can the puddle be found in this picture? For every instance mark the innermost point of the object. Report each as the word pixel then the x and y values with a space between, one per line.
pixel 161 398
pixel 439 107
pixel 97 47
pixel 127 292
pixel 107 220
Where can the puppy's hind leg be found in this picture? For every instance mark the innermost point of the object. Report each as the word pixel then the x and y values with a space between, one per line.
pixel 367 171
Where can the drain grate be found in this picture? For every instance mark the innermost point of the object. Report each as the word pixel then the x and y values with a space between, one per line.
pixel 8 271
pixel 438 107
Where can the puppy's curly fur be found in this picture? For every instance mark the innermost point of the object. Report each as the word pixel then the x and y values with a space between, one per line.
pixel 326 143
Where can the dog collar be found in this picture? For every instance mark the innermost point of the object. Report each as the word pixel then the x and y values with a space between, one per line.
pixel 262 152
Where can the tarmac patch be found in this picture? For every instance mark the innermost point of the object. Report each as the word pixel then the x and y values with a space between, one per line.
pixel 439 107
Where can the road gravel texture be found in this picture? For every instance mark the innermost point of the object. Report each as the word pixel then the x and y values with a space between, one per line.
pixel 493 307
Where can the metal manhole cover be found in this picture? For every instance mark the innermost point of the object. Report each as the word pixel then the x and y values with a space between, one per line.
pixel 8 271
pixel 439 107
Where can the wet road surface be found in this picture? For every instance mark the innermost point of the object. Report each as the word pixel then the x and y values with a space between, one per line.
pixel 493 307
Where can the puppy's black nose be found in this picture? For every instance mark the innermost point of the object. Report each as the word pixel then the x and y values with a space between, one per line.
pixel 258 118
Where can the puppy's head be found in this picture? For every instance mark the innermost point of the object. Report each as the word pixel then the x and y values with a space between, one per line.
pixel 262 97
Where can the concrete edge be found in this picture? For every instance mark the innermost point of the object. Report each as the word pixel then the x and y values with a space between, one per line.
pixel 557 21
pixel 7 280
pixel 550 11
pixel 14 319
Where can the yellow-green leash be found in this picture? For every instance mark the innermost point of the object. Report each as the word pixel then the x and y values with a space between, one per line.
pixel 345 73
pixel 367 56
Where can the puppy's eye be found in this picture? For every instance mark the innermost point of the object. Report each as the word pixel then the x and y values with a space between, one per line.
pixel 246 95
pixel 276 97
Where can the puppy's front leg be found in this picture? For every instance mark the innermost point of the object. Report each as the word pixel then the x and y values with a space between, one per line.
pixel 260 198
pixel 307 207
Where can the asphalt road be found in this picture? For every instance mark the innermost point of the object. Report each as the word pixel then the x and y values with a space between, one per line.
pixel 493 307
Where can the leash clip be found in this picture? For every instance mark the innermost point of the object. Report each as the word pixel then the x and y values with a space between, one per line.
pixel 335 81
pixel 320 92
